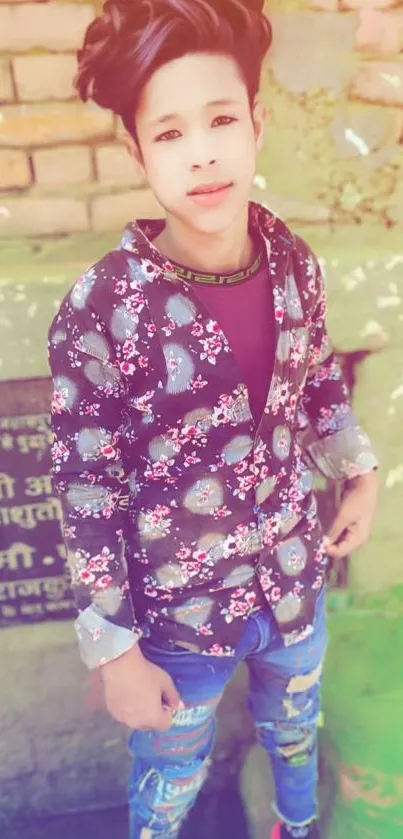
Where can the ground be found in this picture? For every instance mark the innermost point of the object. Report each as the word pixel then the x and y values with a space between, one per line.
pixel 210 818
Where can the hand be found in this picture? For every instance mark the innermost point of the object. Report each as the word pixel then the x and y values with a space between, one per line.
pixel 353 524
pixel 138 693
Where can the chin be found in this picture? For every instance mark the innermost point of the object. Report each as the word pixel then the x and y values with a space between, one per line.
pixel 216 220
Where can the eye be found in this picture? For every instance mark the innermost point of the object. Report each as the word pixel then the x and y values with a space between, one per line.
pixel 224 121
pixel 168 135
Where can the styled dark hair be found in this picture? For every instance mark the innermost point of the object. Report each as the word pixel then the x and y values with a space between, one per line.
pixel 131 39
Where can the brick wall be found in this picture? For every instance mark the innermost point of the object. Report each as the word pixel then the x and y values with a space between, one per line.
pixel 334 89
pixel 62 163
pixel 334 153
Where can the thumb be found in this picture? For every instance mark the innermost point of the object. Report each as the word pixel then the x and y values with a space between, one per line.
pixel 170 695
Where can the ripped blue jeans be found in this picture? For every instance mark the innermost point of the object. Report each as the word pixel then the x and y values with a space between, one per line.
pixel 169 769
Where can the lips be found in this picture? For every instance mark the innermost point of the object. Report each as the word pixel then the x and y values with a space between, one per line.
pixel 207 189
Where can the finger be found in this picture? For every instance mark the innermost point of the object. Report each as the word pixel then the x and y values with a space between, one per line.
pixel 335 531
pixel 352 541
pixel 170 695
pixel 165 720
pixel 161 722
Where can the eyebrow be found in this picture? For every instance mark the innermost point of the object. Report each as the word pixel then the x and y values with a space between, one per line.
pixel 223 103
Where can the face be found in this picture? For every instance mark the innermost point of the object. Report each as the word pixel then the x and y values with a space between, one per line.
pixel 199 140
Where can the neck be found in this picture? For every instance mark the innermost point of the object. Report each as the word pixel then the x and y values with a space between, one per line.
pixel 229 250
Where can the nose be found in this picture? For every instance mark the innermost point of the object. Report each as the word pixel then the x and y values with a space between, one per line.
pixel 198 166
pixel 200 152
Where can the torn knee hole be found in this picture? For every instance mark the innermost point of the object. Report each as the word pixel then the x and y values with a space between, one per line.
pixel 295 747
pixel 295 709
pixel 303 683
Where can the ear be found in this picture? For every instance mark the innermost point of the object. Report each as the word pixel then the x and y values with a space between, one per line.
pixel 259 116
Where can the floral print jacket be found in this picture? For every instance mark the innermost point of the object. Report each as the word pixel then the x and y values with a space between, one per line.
pixel 180 515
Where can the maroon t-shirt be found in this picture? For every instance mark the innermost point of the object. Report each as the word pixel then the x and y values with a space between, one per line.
pixel 244 309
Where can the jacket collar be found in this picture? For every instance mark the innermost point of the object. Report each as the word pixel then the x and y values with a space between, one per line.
pixel 139 235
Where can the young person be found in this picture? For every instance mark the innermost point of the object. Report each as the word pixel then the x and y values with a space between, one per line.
pixel 182 363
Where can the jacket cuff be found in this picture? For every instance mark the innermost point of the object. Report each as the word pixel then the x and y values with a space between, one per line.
pixel 101 641
pixel 344 455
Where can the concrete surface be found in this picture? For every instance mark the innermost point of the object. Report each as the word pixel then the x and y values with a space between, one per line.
pixel 225 819
pixel 62 756
pixel 59 752
pixel 364 272
pixel 103 824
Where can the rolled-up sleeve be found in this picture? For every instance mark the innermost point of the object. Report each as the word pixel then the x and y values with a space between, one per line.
pixel 342 450
pixel 90 478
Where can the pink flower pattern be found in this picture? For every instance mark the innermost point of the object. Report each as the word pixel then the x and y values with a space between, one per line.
pixel 144 432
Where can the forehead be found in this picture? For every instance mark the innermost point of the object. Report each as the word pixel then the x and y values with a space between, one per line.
pixel 190 83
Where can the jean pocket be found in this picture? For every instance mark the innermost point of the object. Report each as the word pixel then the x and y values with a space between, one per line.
pixel 152 648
